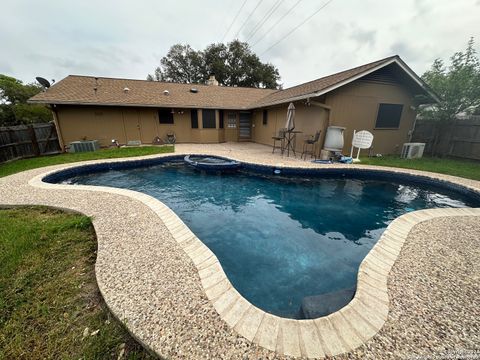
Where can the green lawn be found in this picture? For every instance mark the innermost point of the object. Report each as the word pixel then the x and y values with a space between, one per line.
pixel 32 163
pixel 463 168
pixel 50 306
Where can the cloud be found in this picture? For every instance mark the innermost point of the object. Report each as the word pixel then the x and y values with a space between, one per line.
pixel 405 49
pixel 5 67
pixel 422 7
pixel 126 39
pixel 363 36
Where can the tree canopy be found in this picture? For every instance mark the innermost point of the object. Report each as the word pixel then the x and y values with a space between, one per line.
pixel 233 64
pixel 14 109
pixel 458 85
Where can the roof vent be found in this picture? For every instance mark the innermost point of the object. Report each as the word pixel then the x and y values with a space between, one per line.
pixel 194 90
pixel 126 90
pixel 166 92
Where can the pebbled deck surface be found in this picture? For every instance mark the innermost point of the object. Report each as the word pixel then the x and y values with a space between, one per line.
pixel 152 285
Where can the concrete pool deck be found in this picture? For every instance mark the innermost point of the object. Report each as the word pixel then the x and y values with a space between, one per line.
pixel 416 289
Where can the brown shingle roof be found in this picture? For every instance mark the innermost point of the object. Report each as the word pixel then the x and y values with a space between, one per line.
pixel 76 89
pixel 80 90
pixel 318 85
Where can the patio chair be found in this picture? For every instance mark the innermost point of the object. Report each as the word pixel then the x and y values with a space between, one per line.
pixel 309 145
pixel 171 138
pixel 157 140
pixel 279 137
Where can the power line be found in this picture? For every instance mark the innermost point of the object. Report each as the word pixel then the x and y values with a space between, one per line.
pixel 267 16
pixel 235 18
pixel 248 18
pixel 277 22
pixel 296 27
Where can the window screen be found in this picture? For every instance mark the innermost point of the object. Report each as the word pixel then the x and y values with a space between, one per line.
pixel 208 117
pixel 165 116
pixel 194 118
pixel 220 120
pixel 265 117
pixel 389 116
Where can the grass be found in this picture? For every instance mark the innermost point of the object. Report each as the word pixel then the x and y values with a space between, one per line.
pixel 50 306
pixel 469 169
pixel 33 163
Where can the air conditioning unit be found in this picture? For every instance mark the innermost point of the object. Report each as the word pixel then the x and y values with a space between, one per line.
pixel 412 150
pixel 84 146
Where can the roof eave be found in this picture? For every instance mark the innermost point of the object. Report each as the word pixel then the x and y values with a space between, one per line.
pixel 396 60
pixel 259 104
pixel 177 106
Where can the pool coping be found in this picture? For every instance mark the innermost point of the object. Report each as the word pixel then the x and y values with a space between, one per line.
pixel 334 334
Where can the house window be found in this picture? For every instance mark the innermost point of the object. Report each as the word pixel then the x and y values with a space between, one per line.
pixel 208 118
pixel 232 120
pixel 220 119
pixel 194 118
pixel 165 116
pixel 265 117
pixel 388 116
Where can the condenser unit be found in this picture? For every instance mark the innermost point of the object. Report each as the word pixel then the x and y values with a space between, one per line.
pixel 412 150
pixel 84 146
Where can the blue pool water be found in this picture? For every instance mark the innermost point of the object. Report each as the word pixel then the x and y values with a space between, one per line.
pixel 281 239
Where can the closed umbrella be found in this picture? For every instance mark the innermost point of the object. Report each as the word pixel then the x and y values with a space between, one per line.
pixel 290 124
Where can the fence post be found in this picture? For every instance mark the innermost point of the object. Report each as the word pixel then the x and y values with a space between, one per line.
pixel 33 137
pixel 13 139
pixel 48 138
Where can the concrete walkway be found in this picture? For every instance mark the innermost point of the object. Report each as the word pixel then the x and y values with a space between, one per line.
pixel 173 296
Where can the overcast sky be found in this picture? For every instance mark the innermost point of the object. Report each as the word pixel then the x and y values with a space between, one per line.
pixel 55 38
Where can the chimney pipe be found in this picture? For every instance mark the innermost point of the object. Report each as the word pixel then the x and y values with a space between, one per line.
pixel 211 80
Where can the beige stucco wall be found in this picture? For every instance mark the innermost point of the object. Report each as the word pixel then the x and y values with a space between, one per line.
pixel 103 124
pixel 127 123
pixel 308 119
pixel 355 107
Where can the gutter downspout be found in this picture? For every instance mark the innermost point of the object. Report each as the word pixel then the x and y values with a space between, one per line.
pixel 52 107
pixel 412 130
pixel 319 104
pixel 327 123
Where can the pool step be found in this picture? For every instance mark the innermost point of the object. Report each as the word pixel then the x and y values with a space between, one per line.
pixel 321 305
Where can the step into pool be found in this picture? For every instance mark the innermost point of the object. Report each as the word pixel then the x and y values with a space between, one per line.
pixel 291 244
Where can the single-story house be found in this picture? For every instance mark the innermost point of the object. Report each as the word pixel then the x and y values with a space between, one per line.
pixel 378 97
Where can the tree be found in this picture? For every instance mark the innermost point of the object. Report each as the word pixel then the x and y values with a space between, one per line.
pixel 182 64
pixel 458 87
pixel 14 108
pixel 233 64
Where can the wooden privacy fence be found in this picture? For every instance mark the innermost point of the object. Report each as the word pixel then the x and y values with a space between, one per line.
pixel 22 141
pixel 461 138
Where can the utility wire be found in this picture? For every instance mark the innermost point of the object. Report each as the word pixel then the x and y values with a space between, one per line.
pixel 248 18
pixel 235 18
pixel 265 18
pixel 277 22
pixel 296 27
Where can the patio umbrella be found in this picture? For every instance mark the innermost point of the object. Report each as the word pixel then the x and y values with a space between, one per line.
pixel 290 124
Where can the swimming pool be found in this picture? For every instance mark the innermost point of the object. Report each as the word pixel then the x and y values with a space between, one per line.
pixel 281 239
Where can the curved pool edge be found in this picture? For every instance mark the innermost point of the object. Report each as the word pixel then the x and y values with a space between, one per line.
pixel 337 333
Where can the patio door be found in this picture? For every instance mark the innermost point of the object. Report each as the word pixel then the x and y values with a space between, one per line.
pixel 131 124
pixel 245 128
